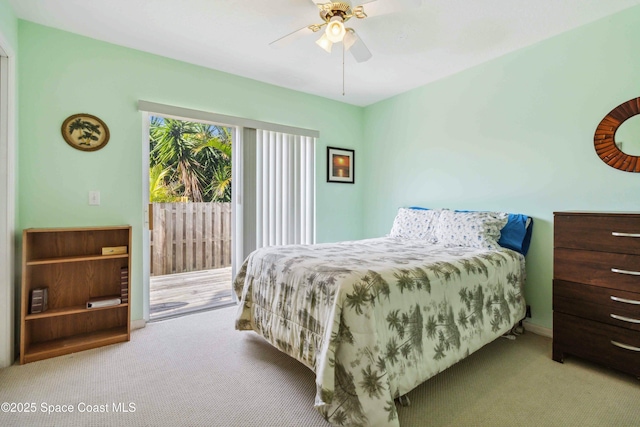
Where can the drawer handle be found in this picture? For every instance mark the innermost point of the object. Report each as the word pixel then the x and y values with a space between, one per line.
pixel 618 234
pixel 625 346
pixel 625 319
pixel 628 301
pixel 631 272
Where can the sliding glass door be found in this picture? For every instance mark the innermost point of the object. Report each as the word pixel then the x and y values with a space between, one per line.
pixel 271 192
pixel 190 215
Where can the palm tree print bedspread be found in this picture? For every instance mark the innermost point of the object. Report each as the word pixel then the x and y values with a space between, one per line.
pixel 375 318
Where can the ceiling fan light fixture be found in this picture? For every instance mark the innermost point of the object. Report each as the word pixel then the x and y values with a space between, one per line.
pixel 325 43
pixel 335 29
pixel 349 39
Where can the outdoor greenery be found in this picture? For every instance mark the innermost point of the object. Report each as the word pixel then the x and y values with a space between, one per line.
pixel 189 161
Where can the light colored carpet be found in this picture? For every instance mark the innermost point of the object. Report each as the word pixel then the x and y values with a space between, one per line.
pixel 198 371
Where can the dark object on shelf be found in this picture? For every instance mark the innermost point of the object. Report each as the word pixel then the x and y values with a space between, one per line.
pixel 124 284
pixel 39 300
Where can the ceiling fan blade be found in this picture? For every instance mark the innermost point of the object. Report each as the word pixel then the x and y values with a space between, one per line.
pixel 383 7
pixel 319 2
pixel 357 47
pixel 291 37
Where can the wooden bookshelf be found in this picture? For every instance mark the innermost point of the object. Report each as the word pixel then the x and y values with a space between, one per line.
pixel 69 262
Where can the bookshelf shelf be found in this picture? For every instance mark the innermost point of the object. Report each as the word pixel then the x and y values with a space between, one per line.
pixel 75 343
pixel 68 262
pixel 67 311
pixel 75 259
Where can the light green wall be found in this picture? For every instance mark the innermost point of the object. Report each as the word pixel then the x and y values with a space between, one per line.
pixel 9 42
pixel 514 134
pixel 63 74
pixel 9 261
pixel 8 25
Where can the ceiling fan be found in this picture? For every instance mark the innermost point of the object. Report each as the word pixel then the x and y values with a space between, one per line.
pixel 336 14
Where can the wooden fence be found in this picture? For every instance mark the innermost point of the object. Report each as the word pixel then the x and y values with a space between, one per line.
pixel 190 237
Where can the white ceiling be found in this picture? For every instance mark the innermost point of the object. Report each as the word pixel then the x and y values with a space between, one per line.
pixel 410 48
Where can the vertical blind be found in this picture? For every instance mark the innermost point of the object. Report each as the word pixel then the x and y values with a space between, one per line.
pixel 285 189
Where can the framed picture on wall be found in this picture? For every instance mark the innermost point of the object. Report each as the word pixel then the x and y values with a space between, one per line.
pixel 340 165
pixel 85 132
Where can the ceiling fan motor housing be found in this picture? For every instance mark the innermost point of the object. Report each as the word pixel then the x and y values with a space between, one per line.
pixel 329 10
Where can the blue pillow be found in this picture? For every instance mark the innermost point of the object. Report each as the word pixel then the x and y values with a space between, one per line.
pixel 514 235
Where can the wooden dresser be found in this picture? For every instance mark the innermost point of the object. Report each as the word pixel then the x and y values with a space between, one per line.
pixel 596 288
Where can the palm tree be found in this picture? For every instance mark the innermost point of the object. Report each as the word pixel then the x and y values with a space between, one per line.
pixel 446 269
pixel 444 326
pixel 87 129
pixel 474 302
pixel 343 334
pixel 221 183
pixel 215 142
pixel 197 157
pixel 407 325
pixel 349 409
pixel 173 147
pixel 159 190
pixel 475 265
pixel 370 288
pixel 371 382
pixel 410 279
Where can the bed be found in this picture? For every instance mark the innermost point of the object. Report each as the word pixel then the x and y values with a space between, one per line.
pixel 375 318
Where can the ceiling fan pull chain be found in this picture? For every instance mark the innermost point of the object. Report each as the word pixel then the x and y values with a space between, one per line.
pixel 343 69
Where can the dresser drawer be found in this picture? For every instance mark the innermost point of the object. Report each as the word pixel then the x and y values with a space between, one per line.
pixel 605 305
pixel 618 348
pixel 616 271
pixel 618 233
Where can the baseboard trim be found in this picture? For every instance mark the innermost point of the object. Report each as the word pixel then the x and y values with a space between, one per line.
pixel 539 330
pixel 138 324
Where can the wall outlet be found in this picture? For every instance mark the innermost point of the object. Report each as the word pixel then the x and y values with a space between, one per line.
pixel 528 312
pixel 94 198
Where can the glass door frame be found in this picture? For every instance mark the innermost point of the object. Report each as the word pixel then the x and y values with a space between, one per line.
pixel 236 208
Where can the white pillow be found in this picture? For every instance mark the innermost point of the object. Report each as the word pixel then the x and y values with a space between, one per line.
pixel 415 224
pixel 470 229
